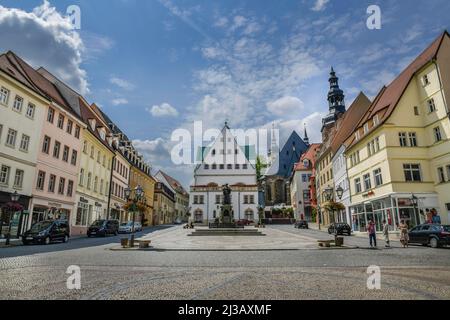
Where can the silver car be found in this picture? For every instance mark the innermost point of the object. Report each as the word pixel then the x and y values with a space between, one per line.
pixel 127 227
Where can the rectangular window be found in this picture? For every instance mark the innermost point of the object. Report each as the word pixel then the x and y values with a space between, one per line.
pixel 425 80
pixel 85 146
pixel 237 166
pixel 95 183
pixel 89 180
pixel 206 166
pixel 40 180
pixel 52 183
pixel 69 126
pixel 46 145
pixel 101 186
pixel 18 179
pixel 81 179
pixel 92 152
pixel 441 175
pixel 378 177
pixel 18 103
pixel 245 199
pixel 412 139
pixel 244 166
pixel 201 199
pixel 221 167
pixel 252 199
pixel 60 123
pixel 4 175
pixel 11 138
pixel 65 156
pixel 437 134
pixel 358 185
pixel 30 110
pixel 24 143
pixel 73 161
pixel 218 199
pixel 70 188
pixel 431 105
pixel 98 157
pixel 50 115
pixel 412 172
pixel 416 111
pixel 367 182
pixel 4 96
pixel 402 139
pixel 56 149
pixel 61 187
pixel 77 132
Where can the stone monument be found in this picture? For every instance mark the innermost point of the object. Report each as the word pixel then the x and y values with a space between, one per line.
pixel 226 211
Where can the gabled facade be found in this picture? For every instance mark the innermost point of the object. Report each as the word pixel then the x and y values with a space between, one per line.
pixel 22 111
pixel 164 204
pixel 400 150
pixel 224 162
pixel 180 194
pixel 300 184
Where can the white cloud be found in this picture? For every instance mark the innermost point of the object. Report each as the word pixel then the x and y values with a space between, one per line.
pixel 44 37
pixel 121 83
pixel 221 22
pixel 163 110
pixel 320 5
pixel 285 106
pixel 119 101
pixel 155 151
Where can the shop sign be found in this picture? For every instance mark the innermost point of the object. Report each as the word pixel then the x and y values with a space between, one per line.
pixel 54 205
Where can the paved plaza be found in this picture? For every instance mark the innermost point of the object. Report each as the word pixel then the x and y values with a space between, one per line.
pixel 303 272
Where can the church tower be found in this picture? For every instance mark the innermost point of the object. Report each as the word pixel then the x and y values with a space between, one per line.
pixel 306 139
pixel 336 104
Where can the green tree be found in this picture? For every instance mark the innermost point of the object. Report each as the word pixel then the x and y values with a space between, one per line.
pixel 260 166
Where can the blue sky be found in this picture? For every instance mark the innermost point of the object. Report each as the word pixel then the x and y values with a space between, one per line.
pixel 158 65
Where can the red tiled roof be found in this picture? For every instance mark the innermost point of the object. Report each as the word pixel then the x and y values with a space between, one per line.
pixel 174 183
pixel 310 154
pixel 348 123
pixel 39 82
pixel 388 97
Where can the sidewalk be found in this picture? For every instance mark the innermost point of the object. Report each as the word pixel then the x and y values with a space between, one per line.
pixel 393 235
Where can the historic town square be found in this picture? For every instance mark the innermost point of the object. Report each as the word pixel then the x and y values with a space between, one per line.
pixel 224 150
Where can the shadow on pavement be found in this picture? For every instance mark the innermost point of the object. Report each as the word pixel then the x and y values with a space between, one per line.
pixel 74 243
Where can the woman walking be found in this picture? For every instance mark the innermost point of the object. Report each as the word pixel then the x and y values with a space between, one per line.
pixel 404 237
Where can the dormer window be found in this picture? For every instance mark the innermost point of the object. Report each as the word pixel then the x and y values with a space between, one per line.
pixel 357 135
pixel 92 123
pixel 306 163
pixel 376 120
pixel 366 128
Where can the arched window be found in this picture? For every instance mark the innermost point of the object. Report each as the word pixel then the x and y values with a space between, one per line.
pixel 198 216
pixel 249 214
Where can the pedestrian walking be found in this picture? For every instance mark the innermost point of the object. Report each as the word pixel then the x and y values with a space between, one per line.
pixel 404 237
pixel 386 233
pixel 372 234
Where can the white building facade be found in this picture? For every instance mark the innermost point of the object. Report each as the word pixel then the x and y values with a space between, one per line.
pixel 224 162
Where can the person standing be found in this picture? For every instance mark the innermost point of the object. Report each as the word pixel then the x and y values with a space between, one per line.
pixel 404 237
pixel 372 234
pixel 386 234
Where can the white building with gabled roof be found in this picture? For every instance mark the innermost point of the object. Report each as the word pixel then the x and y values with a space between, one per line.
pixel 224 162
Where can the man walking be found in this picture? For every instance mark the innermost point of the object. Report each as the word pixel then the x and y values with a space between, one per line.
pixel 372 234
pixel 386 234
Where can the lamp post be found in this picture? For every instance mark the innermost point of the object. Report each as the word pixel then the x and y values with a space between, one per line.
pixel 339 193
pixel 415 202
pixel 14 198
pixel 328 194
pixel 134 195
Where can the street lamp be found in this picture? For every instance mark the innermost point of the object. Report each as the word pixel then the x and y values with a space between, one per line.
pixel 14 198
pixel 339 192
pixel 415 202
pixel 134 195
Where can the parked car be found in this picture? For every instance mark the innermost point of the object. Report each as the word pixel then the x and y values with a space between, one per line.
pixel 103 227
pixel 244 222
pixel 434 235
pixel 45 232
pixel 127 227
pixel 301 224
pixel 340 228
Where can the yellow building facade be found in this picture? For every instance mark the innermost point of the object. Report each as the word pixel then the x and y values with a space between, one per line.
pixel 398 159
pixel 143 178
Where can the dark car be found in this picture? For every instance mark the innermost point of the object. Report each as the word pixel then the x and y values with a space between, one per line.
pixel 301 224
pixel 103 227
pixel 434 235
pixel 47 231
pixel 340 229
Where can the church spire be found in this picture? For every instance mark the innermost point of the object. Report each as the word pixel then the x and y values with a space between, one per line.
pixel 336 104
pixel 306 139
